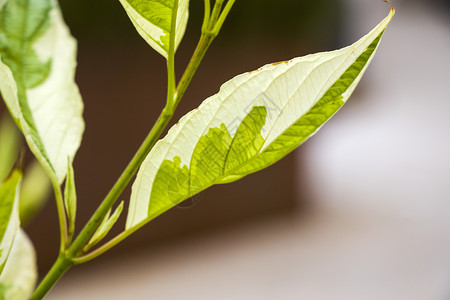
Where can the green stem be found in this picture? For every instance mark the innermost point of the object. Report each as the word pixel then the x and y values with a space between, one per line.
pixel 105 247
pixel 203 45
pixel 166 115
pixel 121 183
pixel 171 81
pixel 209 32
pixel 206 15
pixel 135 163
pixel 215 13
pixel 199 53
pixel 113 242
pixel 65 260
pixel 223 16
pixel 60 267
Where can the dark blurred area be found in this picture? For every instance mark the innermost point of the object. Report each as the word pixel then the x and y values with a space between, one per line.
pixel 105 21
pixel 122 81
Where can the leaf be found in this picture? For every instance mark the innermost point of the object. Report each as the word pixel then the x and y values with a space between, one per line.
pixel 9 146
pixel 19 277
pixel 70 195
pixel 105 226
pixel 254 120
pixel 35 191
pixel 157 20
pixel 9 214
pixel 37 67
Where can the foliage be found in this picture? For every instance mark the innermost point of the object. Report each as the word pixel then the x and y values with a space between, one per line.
pixel 255 119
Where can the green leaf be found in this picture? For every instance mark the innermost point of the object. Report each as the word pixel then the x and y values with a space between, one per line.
pixel 70 197
pixel 35 191
pixel 254 120
pixel 9 146
pixel 9 214
pixel 158 20
pixel 37 67
pixel 19 277
pixel 105 226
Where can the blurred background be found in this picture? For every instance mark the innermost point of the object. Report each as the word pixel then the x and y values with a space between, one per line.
pixel 360 211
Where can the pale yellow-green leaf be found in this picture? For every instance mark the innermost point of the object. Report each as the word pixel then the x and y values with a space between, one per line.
pixel 9 145
pixel 153 21
pixel 105 226
pixel 254 120
pixel 9 214
pixel 37 69
pixel 70 195
pixel 19 277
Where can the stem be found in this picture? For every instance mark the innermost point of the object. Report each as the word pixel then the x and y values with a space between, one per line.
pixel 121 183
pixel 171 81
pixel 105 247
pixel 61 216
pixel 209 32
pixel 206 15
pixel 137 160
pixel 215 13
pixel 114 241
pixel 223 16
pixel 199 53
pixel 65 260
pixel 139 157
pixel 202 46
pixel 60 267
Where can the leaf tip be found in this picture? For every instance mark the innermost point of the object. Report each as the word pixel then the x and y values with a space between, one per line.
pixel 390 15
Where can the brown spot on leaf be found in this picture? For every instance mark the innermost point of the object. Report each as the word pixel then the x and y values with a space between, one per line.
pixel 280 62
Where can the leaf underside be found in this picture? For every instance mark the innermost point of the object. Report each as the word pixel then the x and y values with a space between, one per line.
pixel 154 21
pixel 37 67
pixel 9 145
pixel 9 215
pixel 220 158
pixel 19 277
pixel 21 24
pixel 255 120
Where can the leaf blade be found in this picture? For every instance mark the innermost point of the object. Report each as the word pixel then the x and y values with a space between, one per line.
pixel 37 67
pixel 153 21
pixel 9 146
pixel 105 226
pixel 70 198
pixel 9 214
pixel 20 275
pixel 309 124
pixel 298 96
